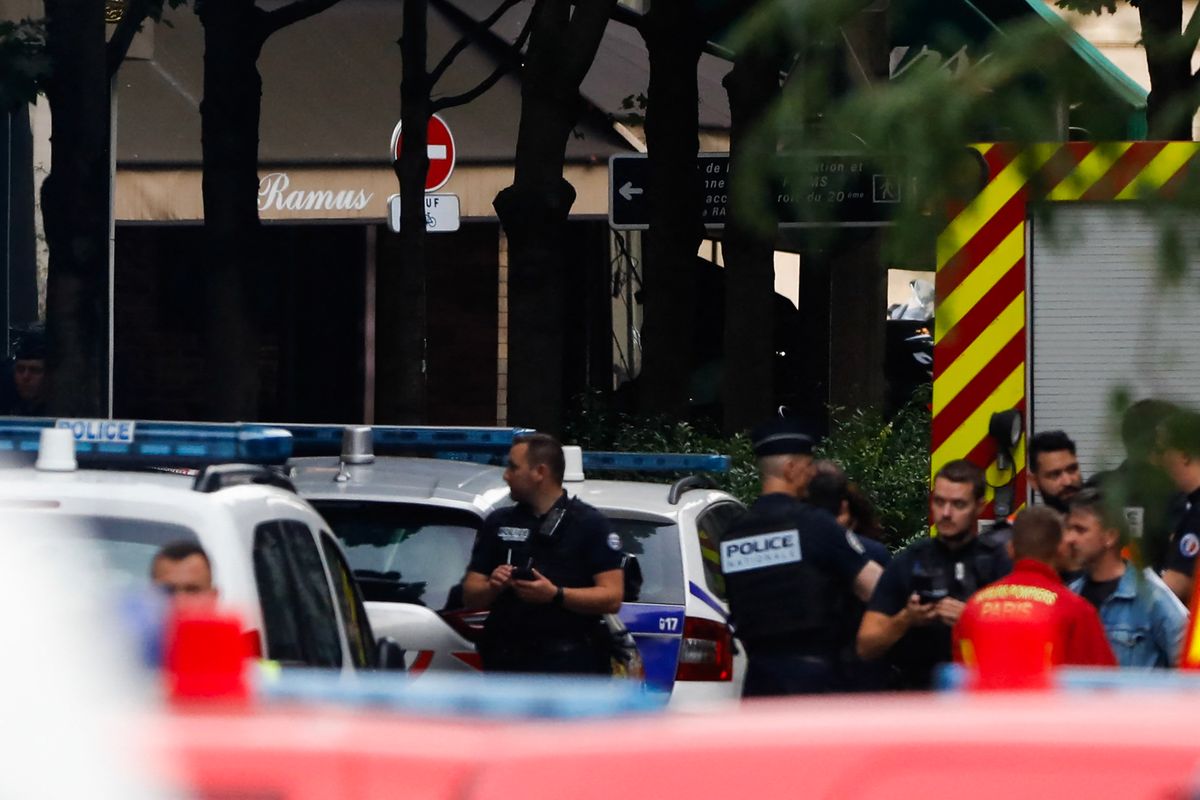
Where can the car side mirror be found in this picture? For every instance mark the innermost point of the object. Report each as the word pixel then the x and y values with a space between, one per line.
pixel 389 655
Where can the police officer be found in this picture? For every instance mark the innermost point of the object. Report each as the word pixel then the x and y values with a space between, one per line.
pixel 1181 460
pixel 787 567
pixel 921 593
pixel 548 568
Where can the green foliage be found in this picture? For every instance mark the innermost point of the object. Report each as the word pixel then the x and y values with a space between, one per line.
pixel 888 459
pixel 23 62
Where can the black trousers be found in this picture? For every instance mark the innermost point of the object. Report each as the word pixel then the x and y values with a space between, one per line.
pixel 774 674
pixel 558 656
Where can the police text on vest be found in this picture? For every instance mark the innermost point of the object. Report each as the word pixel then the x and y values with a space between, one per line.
pixel 764 550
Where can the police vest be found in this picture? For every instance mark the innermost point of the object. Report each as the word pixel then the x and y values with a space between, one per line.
pixel 773 591
pixel 937 573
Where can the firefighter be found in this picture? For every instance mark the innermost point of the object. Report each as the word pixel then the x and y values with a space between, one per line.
pixel 1016 629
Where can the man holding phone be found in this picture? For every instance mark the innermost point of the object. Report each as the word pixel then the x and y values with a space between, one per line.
pixel 548 568
pixel 922 592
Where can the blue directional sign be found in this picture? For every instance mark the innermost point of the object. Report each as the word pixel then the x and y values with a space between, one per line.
pixel 839 190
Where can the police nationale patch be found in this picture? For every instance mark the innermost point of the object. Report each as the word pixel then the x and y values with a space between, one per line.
pixel 614 542
pixel 855 544
pixel 765 550
pixel 1189 545
pixel 513 534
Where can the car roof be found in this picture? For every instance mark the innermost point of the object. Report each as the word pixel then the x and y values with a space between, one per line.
pixel 464 484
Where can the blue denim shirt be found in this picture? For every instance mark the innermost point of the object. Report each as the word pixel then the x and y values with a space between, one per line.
pixel 1144 620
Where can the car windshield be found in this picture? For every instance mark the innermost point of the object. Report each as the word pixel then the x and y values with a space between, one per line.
pixel 128 545
pixel 413 553
pixel 404 552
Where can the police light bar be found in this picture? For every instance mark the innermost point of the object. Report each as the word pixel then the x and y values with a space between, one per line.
pixel 461 443
pixel 655 462
pixel 153 444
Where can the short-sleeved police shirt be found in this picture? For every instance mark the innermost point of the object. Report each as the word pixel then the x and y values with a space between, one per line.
pixel 1184 545
pixel 580 547
pixel 957 573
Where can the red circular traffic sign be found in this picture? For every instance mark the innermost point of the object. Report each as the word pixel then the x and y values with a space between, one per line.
pixel 440 146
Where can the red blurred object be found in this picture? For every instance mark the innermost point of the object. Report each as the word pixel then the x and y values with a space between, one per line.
pixel 206 656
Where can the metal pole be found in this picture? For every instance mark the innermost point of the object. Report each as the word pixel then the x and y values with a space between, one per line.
pixel 112 234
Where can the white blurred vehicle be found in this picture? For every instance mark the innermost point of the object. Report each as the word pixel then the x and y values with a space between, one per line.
pixel 275 564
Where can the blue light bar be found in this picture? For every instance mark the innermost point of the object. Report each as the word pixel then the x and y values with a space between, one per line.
pixel 159 444
pixel 655 462
pixel 458 443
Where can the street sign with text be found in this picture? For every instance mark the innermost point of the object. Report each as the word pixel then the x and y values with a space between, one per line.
pixel 441 213
pixel 838 189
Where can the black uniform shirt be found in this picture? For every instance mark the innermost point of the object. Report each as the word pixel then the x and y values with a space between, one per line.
pixel 580 547
pixel 931 568
pixel 835 555
pixel 826 544
pixel 1185 542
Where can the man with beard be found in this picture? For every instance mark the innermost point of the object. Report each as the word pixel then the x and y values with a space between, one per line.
pixel 922 592
pixel 1054 469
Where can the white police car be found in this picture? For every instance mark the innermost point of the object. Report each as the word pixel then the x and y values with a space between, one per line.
pixel 274 562
pixel 408 523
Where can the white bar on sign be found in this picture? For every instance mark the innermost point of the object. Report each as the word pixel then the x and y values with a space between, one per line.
pixel 441 213
pixel 436 152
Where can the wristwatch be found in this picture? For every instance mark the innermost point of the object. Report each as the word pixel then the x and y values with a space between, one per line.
pixel 558 597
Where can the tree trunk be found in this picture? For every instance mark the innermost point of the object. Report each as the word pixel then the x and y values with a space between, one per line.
pixel 1171 104
pixel 229 117
pixel 748 391
pixel 401 394
pixel 75 200
pixel 673 44
pixel 534 209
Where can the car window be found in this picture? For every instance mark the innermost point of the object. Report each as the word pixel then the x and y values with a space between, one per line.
pixel 358 628
pixel 655 544
pixel 297 611
pixel 710 527
pixel 128 546
pixel 405 552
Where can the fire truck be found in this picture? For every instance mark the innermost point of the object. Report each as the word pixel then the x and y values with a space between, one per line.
pixel 1063 292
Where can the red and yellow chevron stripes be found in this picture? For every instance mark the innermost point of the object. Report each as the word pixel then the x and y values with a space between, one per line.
pixel 979 327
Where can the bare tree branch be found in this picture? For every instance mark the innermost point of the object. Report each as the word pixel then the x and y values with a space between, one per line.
pixel 462 43
pixel 488 82
pixel 293 12
pixel 135 14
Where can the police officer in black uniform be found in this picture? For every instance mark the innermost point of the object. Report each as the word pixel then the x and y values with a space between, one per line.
pixel 788 567
pixel 922 592
pixel 1181 460
pixel 548 568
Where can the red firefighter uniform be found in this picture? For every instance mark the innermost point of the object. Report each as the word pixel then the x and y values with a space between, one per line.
pixel 1013 631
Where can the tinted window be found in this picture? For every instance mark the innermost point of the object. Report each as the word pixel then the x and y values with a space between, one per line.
pixel 358 628
pixel 655 544
pixel 297 610
pixel 710 527
pixel 403 552
pixel 129 545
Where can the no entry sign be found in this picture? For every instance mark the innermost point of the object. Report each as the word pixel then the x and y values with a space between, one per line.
pixel 440 147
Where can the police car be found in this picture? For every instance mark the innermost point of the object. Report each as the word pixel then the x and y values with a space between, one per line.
pixel 408 524
pixel 275 564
